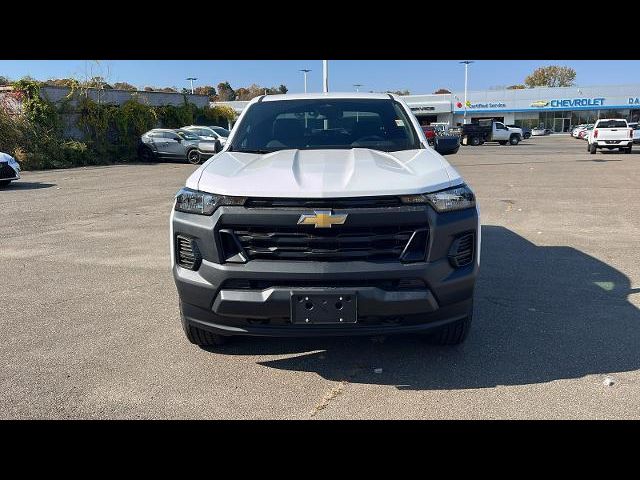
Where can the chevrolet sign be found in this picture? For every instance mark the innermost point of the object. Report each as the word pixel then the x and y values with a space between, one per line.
pixel 577 102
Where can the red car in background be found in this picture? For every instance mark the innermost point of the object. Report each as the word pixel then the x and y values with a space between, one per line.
pixel 429 132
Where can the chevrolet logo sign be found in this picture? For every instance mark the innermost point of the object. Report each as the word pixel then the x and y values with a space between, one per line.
pixel 322 219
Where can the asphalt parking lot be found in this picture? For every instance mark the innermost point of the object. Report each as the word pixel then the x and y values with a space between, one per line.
pixel 89 319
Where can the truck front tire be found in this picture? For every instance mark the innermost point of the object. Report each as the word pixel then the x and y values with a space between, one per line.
pixel 592 149
pixel 453 334
pixel 514 139
pixel 475 141
pixel 200 337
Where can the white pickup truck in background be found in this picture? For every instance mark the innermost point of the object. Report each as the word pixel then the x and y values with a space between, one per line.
pixel 611 133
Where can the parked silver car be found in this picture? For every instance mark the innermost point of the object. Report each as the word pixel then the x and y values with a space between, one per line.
pixel 171 144
pixel 9 169
pixel 210 133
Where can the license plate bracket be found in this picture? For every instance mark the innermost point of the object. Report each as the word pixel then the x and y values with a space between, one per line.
pixel 312 307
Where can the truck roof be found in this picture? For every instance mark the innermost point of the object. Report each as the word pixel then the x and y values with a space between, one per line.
pixel 318 96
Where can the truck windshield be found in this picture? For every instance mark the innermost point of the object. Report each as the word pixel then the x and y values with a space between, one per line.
pixel 314 124
pixel 612 124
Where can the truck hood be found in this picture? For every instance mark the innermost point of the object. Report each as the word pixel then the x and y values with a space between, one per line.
pixel 324 173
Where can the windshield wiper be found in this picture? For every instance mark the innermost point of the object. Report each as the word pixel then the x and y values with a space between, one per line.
pixel 250 150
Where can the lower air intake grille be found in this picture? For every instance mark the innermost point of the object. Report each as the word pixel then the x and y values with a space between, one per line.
pixel 461 252
pixel 187 253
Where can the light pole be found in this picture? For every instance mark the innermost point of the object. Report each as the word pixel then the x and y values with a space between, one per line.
pixel 305 71
pixel 358 85
pixel 466 77
pixel 192 79
pixel 325 76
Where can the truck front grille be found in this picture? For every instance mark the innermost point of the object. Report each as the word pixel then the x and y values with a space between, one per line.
pixel 380 243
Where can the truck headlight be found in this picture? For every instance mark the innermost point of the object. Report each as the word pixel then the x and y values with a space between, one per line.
pixel 203 203
pixel 456 198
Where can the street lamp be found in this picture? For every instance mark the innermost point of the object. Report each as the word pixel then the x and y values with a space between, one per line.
pixel 325 76
pixel 358 85
pixel 305 71
pixel 466 77
pixel 192 79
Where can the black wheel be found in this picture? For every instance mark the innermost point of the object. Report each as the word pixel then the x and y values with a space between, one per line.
pixel 627 150
pixel 145 154
pixel 453 334
pixel 514 140
pixel 592 149
pixel 193 157
pixel 502 142
pixel 475 141
pixel 527 136
pixel 201 337
pixel 4 183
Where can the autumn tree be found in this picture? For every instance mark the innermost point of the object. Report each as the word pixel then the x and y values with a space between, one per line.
pixel 399 92
pixel 551 76
pixel 205 90
pixel 441 91
pixel 225 92
pixel 97 82
pixel 517 86
pixel 4 80
pixel 61 82
pixel 124 86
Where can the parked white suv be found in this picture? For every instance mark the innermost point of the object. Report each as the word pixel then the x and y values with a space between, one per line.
pixel 611 133
pixel 209 133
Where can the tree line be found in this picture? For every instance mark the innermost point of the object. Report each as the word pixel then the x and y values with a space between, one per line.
pixel 222 92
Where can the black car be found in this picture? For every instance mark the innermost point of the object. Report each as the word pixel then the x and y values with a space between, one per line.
pixel 526 132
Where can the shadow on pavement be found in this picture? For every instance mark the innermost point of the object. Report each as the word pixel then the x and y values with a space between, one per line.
pixel 541 314
pixel 20 185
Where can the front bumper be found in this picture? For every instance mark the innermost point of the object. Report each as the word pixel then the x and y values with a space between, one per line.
pixel 253 298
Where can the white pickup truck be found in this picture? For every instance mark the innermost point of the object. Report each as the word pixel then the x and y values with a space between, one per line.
pixel 610 133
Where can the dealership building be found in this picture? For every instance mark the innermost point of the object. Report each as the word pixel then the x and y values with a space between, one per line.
pixel 556 108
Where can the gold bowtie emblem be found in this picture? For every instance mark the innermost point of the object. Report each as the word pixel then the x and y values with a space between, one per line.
pixel 322 219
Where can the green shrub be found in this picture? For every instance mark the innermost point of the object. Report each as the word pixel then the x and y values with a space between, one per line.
pixel 111 133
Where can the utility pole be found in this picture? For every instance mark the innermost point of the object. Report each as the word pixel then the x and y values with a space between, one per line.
pixel 305 71
pixel 192 79
pixel 466 77
pixel 325 76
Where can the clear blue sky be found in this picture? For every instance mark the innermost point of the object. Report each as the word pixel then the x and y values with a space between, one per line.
pixel 418 76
